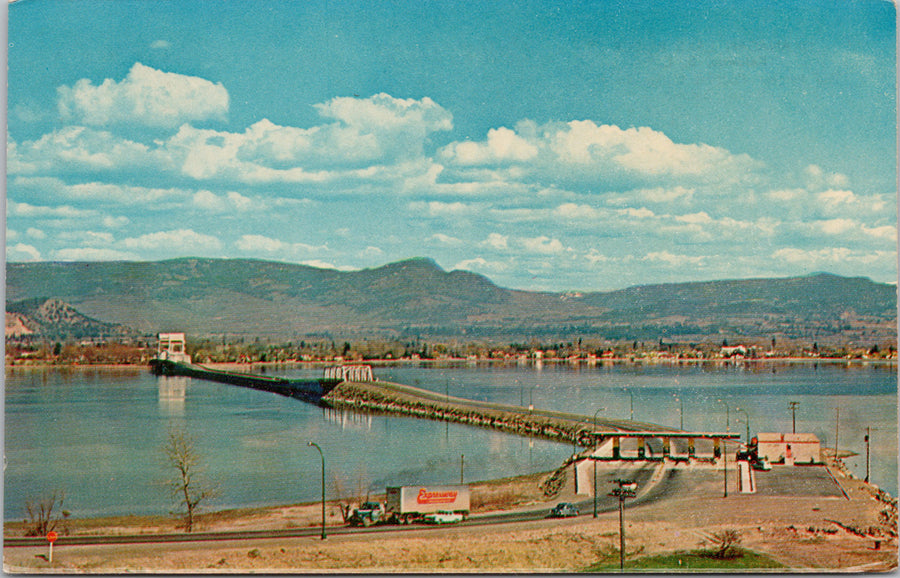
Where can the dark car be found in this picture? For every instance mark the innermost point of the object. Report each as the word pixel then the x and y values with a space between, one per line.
pixel 564 510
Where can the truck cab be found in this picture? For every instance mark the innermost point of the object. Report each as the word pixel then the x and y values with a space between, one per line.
pixel 366 514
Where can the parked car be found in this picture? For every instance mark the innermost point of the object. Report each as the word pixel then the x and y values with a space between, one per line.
pixel 762 464
pixel 564 510
pixel 442 517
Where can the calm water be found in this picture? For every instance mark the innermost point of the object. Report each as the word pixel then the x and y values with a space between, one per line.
pixel 97 435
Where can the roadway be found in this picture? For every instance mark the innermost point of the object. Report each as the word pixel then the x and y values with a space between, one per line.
pixel 656 483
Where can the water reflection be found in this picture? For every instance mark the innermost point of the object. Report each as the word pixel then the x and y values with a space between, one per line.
pixel 172 393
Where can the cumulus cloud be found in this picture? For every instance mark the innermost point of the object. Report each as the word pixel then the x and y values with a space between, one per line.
pixel 92 254
pixel 445 240
pixel 673 259
pixel 264 244
pixel 496 241
pixel 177 239
pixel 146 96
pixel 20 252
pixel 59 212
pixel 543 245
pixel 481 264
pixel 79 148
pixel 442 209
pixel 582 150
pixel 502 145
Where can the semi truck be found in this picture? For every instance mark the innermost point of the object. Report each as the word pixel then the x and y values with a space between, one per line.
pixel 406 504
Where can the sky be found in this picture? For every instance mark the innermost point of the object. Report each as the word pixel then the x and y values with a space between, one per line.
pixel 558 146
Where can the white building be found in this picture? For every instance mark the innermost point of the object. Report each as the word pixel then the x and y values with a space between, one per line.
pixel 789 448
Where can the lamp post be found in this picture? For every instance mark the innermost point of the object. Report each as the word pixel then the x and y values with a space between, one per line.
pixel 594 459
pixel 631 395
pixel 322 455
pixel 793 407
pixel 727 415
pixel 626 489
pixel 867 457
pixel 747 418
pixel 680 412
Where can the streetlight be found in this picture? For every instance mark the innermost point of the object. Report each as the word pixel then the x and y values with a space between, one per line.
pixel 626 489
pixel 747 417
pixel 793 407
pixel 631 395
pixel 595 461
pixel 322 455
pixel 680 412
pixel 727 416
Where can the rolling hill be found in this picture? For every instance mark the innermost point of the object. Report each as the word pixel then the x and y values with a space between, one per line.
pixel 417 298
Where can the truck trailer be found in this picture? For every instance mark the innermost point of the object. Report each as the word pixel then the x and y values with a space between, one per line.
pixel 406 504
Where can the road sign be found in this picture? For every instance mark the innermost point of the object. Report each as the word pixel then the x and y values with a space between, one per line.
pixel 51 537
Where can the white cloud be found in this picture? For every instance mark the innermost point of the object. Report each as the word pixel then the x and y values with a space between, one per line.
pixel 209 201
pixel 21 252
pixel 888 232
pixel 673 259
pixel 78 148
pixel 581 150
pixel 263 244
pixel 64 211
pixel 382 111
pixel 173 241
pixel 92 254
pixel 260 243
pixel 371 252
pixel 837 226
pixel 502 145
pixel 543 245
pixel 147 96
pixel 113 222
pixel 445 240
pixel 442 209
pixel 35 233
pixel 87 237
pixel 496 241
pixel 161 45
pixel 481 264
pixel 813 256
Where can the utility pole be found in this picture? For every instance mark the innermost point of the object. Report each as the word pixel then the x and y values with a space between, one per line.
pixel 793 407
pixel 725 463
pixel 594 458
pixel 626 489
pixel 867 455
pixel 462 466
pixel 837 425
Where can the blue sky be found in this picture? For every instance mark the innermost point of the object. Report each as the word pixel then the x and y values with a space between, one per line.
pixel 547 145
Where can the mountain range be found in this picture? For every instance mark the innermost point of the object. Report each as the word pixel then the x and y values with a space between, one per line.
pixel 417 298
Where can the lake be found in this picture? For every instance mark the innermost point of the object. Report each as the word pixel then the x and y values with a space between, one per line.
pixel 98 434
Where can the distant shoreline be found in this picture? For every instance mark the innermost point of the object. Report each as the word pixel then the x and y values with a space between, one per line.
pixel 488 361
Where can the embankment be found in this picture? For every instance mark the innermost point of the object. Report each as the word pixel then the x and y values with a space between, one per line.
pixel 403 400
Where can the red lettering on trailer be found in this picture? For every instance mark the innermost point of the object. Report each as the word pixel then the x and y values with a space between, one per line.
pixel 445 497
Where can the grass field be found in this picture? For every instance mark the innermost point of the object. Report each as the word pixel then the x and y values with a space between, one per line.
pixel 695 560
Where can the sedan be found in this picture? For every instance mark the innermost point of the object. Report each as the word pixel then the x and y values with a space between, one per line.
pixel 564 510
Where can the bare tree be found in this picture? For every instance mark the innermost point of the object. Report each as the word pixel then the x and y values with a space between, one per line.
pixel 44 513
pixel 187 488
pixel 350 494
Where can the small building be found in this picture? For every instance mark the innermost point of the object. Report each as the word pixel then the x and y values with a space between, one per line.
pixel 171 347
pixel 789 448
